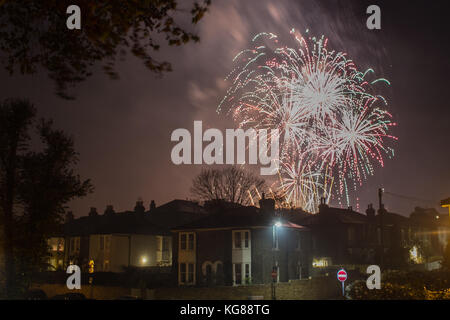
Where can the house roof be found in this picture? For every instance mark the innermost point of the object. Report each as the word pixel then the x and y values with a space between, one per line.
pixel 117 223
pixel 391 218
pixel 330 215
pixel 157 221
pixel 174 213
pixel 243 217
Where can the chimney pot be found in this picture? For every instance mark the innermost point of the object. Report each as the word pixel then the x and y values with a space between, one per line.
pixel 93 212
pixel 370 212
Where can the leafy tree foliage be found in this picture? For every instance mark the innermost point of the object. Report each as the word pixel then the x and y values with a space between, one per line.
pixel 35 186
pixel 33 34
pixel 405 285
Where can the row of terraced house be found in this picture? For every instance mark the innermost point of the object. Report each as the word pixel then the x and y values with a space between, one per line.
pixel 220 243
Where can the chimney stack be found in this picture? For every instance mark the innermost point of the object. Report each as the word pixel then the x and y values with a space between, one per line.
pixel 69 217
pixel 152 205
pixel 370 212
pixel 109 210
pixel 267 206
pixel 93 212
pixel 323 205
pixel 139 208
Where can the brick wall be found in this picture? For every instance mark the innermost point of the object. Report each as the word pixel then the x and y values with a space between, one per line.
pixel 314 289
pixel 98 292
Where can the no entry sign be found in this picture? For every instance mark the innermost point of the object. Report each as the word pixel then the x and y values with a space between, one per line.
pixel 342 276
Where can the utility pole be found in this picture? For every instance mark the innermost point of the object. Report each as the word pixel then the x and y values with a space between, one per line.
pixel 380 212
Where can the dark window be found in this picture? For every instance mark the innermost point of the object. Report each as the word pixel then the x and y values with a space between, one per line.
pixel 247 236
pixel 351 234
pixel 208 274
pixel 379 235
pixel 238 273
pixel 191 241
pixel 183 241
pixel 237 240
pixel 191 273
pixel 182 272
pixel 247 273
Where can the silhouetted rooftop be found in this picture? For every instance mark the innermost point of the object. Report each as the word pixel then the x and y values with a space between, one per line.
pixel 242 217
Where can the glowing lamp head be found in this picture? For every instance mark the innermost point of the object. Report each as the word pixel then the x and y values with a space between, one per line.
pixel 144 260
pixel 278 224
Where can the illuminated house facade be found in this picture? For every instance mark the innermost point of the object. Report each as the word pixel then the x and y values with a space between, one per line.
pixel 240 246
pixel 344 237
pixel 223 243
pixel 139 238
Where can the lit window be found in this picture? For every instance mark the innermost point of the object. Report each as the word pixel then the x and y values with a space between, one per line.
pixel 321 262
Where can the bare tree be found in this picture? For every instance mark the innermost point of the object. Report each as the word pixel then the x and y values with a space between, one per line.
pixel 231 184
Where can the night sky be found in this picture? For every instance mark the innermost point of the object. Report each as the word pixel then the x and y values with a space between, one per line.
pixel 122 127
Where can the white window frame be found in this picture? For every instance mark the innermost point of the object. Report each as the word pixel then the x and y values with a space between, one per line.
pixel 186 282
pixel 242 235
pixel 187 241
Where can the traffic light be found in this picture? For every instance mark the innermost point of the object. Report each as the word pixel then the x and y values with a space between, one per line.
pixel 91 266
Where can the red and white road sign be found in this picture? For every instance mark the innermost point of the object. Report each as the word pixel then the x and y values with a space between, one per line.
pixel 342 275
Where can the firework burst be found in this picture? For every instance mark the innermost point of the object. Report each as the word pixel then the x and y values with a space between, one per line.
pixel 332 127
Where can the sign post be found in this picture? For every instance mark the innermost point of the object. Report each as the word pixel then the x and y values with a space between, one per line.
pixel 342 276
pixel 274 276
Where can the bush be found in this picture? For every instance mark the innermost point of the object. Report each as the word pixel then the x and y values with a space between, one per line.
pixel 401 285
